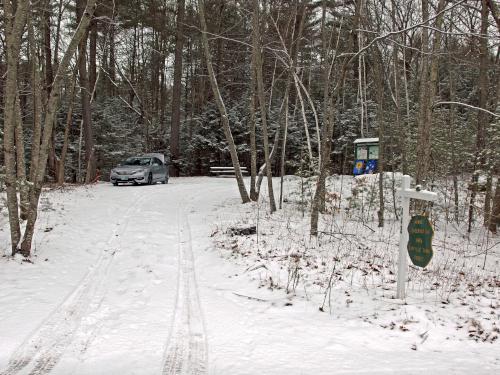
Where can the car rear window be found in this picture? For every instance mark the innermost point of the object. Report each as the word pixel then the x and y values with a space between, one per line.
pixel 137 161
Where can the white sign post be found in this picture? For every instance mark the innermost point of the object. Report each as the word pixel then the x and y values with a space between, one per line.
pixel 406 194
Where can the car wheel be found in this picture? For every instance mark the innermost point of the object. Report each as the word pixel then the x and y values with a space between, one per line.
pixel 164 181
pixel 150 179
pixel 115 183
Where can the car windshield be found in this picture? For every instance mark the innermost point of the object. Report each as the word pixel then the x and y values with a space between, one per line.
pixel 137 161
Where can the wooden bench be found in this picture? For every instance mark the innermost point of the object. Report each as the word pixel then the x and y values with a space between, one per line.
pixel 226 171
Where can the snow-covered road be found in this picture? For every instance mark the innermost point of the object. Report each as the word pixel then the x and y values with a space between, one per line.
pixel 126 281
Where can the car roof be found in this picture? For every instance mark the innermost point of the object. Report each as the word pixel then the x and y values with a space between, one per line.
pixel 155 155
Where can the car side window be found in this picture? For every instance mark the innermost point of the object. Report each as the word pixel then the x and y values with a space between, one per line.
pixel 157 161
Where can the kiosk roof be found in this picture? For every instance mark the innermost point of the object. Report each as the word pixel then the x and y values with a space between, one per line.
pixel 366 140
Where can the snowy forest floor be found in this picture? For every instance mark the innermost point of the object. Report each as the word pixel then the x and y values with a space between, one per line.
pixel 150 279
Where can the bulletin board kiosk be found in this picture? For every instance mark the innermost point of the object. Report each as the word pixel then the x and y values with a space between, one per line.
pixel 365 156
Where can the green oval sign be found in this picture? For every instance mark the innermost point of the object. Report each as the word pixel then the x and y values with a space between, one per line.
pixel 420 234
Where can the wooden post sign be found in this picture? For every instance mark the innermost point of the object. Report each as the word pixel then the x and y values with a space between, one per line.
pixel 419 244
pixel 420 240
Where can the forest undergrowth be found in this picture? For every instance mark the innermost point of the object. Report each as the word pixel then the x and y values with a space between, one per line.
pixel 349 269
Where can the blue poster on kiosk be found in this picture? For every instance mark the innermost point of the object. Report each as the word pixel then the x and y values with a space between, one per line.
pixel 371 166
pixel 359 167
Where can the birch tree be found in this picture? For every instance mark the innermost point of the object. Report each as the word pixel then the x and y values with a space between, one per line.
pixel 14 27
pixel 220 104
pixel 49 119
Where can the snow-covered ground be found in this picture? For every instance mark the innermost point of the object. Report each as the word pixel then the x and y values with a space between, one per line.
pixel 146 280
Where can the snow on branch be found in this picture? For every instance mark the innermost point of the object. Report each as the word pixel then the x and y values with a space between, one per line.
pixel 468 106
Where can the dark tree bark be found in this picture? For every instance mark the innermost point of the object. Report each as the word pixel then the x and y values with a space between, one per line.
pixel 257 60
pixel 494 222
pixel 428 87
pixel 14 26
pixel 327 129
pixel 93 57
pixel 21 162
pixel 112 59
pixel 49 73
pixel 36 84
pixel 88 134
pixel 482 117
pixel 379 83
pixel 176 92
pixel 58 34
pixel 253 145
pixel 69 121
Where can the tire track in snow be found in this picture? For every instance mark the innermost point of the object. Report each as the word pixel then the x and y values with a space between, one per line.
pixel 46 345
pixel 187 349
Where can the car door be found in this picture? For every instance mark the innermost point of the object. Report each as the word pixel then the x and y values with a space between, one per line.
pixel 157 169
pixel 163 170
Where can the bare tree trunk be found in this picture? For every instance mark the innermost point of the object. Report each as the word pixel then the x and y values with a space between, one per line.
pixel 88 133
pixel 222 108
pixel 319 195
pixel 306 126
pixel 379 83
pixel 283 148
pixel 454 166
pixel 488 196
pixel 428 85
pixel 49 75
pixel 58 34
pixel 482 118
pixel 93 59
pixel 69 120
pixel 14 26
pixel 21 162
pixel 272 154
pixel 50 116
pixel 262 101
pixel 37 103
pixel 400 126
pixel 494 221
pixel 163 85
pixel 296 33
pixel 253 145
pixel 357 23
pixel 407 102
pixel 112 61
pixel 176 91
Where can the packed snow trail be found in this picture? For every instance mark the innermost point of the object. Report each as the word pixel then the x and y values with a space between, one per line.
pixel 187 347
pixel 43 349
pixel 133 284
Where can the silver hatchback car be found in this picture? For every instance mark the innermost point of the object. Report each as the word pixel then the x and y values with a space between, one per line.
pixel 146 169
